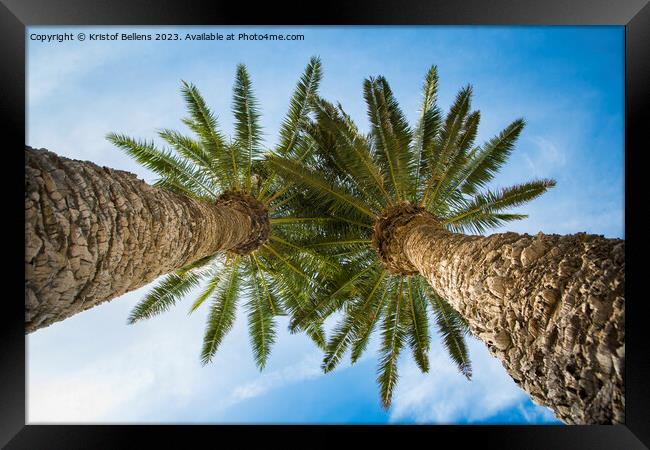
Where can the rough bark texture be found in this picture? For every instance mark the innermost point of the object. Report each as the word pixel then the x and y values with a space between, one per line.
pixel 390 251
pixel 93 233
pixel 259 216
pixel 550 307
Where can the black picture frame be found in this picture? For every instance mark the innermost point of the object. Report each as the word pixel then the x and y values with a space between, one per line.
pixel 16 15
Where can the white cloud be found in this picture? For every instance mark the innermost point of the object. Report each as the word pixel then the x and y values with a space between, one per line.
pixel 112 372
pixel 306 369
pixel 444 396
pixel 545 157
pixel 536 414
pixel 93 368
pixel 85 397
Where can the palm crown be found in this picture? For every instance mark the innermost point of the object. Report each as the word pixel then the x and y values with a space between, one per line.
pixel 360 178
pixel 276 277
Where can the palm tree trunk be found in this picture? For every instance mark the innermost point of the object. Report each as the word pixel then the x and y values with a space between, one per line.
pixel 550 307
pixel 93 233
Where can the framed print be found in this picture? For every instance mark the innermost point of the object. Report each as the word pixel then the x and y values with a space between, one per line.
pixel 395 218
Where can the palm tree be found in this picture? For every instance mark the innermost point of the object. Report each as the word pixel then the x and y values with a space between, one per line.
pixel 215 213
pixel 549 307
pixel 275 274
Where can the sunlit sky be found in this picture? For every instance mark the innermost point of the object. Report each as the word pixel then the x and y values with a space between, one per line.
pixel 567 82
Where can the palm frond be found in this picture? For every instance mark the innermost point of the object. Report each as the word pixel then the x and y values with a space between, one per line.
pixel 309 260
pixel 247 128
pixel 351 151
pixel 483 209
pixel 186 147
pixel 338 343
pixel 418 325
pixel 178 188
pixel 372 315
pixel 299 106
pixel 331 163
pixel 278 188
pixel 261 324
pixel 176 171
pixel 461 167
pixel 486 161
pixel 216 277
pixel 222 311
pixel 391 134
pixel 445 146
pixel 332 219
pixel 204 124
pixel 337 199
pixel 297 117
pixel 286 261
pixel 452 331
pixel 344 333
pixel 468 132
pixel 393 334
pixel 165 294
pixel 266 293
pixel 448 180
pixel 338 293
pixel 292 285
pixel 316 333
pixel 199 263
pixel 427 126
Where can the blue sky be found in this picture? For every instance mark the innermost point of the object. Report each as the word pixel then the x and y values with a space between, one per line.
pixel 567 82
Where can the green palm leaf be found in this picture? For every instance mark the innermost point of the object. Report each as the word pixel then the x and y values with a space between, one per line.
pixel 199 263
pixel 297 117
pixel 337 345
pixel 452 330
pixel 216 277
pixel 299 107
pixel 372 315
pixel 427 127
pixel 344 334
pixel 391 133
pixel 337 199
pixel 247 128
pixel 486 161
pixel 269 297
pixel 418 324
pixel 393 335
pixel 186 147
pixel 178 171
pixel 222 311
pixel 261 324
pixel 166 293
pixel 293 285
pixel 468 134
pixel 446 148
pixel 482 210
pixel 342 287
pixel 204 124
pixel 351 151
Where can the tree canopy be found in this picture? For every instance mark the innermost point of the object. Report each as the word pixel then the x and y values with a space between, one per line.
pixel 278 277
pixel 357 176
